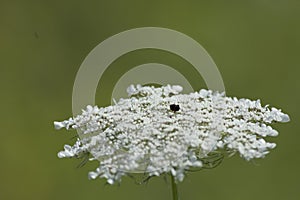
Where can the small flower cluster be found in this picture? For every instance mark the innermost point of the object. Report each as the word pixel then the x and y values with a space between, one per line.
pixel 142 133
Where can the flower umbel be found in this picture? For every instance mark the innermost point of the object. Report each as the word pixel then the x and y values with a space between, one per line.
pixel 159 130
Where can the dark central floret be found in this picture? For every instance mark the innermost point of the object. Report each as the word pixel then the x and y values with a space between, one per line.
pixel 174 107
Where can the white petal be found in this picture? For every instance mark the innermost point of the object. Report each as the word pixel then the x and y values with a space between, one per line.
pixel 59 125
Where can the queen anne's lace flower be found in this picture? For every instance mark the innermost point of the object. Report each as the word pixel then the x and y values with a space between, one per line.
pixel 142 133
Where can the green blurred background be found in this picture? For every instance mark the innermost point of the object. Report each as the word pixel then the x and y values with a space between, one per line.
pixel 254 43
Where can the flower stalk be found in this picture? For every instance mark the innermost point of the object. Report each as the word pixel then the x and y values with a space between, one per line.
pixel 175 195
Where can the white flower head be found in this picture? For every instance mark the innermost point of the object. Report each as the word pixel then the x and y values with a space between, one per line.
pixel 159 130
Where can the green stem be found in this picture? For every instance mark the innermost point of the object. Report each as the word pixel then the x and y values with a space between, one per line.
pixel 174 188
